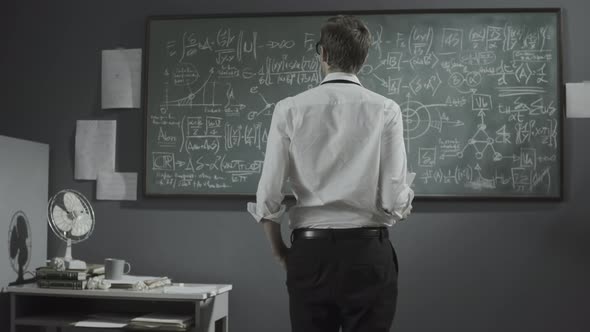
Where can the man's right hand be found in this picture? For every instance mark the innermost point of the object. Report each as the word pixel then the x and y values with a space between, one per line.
pixel 281 255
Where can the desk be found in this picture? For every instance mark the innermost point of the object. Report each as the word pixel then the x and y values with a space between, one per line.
pixel 60 308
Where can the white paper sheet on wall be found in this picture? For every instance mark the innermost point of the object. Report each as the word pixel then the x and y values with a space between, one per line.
pixel 95 148
pixel 578 100
pixel 121 78
pixel 116 186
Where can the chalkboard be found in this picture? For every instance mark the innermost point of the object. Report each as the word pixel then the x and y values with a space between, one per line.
pixel 480 93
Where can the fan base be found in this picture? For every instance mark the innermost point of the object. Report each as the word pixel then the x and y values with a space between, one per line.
pixel 75 264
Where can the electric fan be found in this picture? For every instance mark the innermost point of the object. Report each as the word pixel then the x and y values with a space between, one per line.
pixel 71 218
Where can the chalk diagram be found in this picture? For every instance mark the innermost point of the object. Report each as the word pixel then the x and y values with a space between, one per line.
pixel 419 119
pixel 458 81
pixel 481 141
pixel 266 110
pixel 203 96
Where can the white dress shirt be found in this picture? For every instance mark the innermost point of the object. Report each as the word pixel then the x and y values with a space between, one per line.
pixel 341 148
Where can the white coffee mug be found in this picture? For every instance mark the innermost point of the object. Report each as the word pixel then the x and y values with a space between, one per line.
pixel 115 268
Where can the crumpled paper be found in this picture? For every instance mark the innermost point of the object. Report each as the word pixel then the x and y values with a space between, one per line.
pixel 150 284
pixel 58 263
pixel 98 283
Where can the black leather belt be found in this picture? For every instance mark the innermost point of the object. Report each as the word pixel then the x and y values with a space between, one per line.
pixel 335 234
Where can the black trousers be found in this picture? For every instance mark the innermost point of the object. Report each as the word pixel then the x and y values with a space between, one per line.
pixel 342 282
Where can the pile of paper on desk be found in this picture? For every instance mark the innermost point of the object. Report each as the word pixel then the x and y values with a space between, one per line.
pixel 160 321
pixel 106 320
pixel 139 282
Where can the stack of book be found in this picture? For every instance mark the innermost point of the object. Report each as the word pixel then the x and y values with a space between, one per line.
pixel 49 277
pixel 161 321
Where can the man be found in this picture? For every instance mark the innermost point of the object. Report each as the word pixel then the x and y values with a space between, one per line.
pixel 341 147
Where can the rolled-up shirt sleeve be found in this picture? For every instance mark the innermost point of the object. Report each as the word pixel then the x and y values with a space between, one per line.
pixel 269 196
pixel 395 194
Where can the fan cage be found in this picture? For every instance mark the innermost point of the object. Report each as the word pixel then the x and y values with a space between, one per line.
pixel 65 236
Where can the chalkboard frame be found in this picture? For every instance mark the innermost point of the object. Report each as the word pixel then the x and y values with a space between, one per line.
pixel 557 11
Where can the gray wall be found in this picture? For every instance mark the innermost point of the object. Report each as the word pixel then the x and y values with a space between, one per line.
pixel 465 266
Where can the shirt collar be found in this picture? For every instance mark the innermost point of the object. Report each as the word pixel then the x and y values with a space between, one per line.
pixel 341 76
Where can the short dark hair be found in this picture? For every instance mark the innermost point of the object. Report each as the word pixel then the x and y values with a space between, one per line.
pixel 346 40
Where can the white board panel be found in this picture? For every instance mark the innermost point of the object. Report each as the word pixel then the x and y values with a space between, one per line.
pixel 24 174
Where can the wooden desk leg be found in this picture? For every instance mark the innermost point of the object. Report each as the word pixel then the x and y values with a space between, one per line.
pixel 221 313
pixel 224 324
pixel 12 312
pixel 212 310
